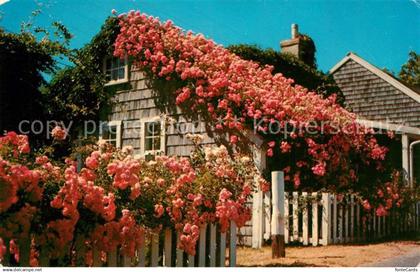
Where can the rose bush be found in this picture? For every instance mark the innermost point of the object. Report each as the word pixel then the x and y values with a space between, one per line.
pixel 115 199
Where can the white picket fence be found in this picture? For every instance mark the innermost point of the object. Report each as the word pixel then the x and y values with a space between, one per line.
pixel 320 218
pixel 214 249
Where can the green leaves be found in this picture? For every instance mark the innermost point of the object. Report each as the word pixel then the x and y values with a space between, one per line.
pixel 291 67
pixel 410 71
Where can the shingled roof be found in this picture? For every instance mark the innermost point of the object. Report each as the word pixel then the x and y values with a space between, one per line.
pixel 375 95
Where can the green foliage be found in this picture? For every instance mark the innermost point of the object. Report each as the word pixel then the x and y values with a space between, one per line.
pixel 24 58
pixel 78 93
pixel 291 67
pixel 307 50
pixel 410 71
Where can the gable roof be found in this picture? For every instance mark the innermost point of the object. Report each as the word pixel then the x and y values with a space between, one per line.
pixel 391 80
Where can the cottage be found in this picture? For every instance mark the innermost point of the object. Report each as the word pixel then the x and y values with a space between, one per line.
pixel 136 119
pixel 382 102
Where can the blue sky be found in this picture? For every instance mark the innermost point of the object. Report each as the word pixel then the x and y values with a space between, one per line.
pixel 381 31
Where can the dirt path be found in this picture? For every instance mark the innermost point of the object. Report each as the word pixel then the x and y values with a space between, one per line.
pixel 335 255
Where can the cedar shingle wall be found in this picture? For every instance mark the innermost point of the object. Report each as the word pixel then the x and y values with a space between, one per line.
pixel 372 98
pixel 137 103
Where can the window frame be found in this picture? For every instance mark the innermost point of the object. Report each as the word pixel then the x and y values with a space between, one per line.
pixel 143 122
pixel 117 81
pixel 118 136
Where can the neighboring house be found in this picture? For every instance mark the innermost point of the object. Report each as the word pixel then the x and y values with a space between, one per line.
pixel 383 102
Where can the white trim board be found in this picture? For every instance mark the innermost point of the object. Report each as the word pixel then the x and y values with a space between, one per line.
pixel 401 87
pixel 389 126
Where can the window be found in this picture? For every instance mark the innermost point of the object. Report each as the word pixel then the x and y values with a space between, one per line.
pixel 116 70
pixel 153 136
pixel 111 132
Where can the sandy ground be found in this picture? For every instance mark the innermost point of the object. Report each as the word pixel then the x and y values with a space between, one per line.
pixel 334 255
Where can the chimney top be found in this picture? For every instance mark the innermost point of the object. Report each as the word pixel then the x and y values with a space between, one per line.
pixel 295 31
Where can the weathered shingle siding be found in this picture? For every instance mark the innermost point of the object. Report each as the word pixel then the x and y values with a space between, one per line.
pixel 372 98
pixel 130 106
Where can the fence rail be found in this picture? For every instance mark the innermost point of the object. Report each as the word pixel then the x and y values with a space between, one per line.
pixel 214 249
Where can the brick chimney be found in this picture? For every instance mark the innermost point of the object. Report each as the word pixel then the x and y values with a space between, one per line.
pixel 300 45
pixel 292 45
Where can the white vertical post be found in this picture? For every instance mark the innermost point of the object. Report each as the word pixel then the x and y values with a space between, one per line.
pixel 212 245
pixel 305 219
pixel 326 219
pixel 179 253
pixel 267 215
pixel 334 220
pixel 277 220
pixel 346 221
pixel 141 252
pixel 232 244
pixel 358 224
pixel 286 218
pixel 202 246
pixel 259 155
pixel 295 216
pixel 222 249
pixel 167 257
pixel 155 250
pixel 315 219
pixel 257 219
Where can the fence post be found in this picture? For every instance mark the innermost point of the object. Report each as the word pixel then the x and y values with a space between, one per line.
pixel 326 215
pixel 259 156
pixel 257 219
pixel 212 245
pixel 346 221
pixel 141 251
pixel 305 219
pixel 286 218
pixel 222 255
pixel 277 219
pixel 155 250
pixel 232 244
pixel 315 219
pixel 179 253
pixel 202 246
pixel 295 216
pixel 267 215
pixel 334 220
pixel 167 261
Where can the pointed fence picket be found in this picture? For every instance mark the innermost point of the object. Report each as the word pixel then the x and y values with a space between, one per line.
pixel 156 249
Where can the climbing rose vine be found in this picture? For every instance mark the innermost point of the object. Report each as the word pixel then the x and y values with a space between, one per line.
pixel 235 95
